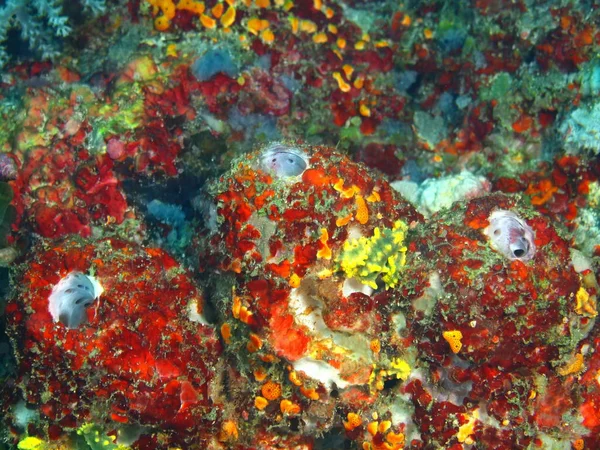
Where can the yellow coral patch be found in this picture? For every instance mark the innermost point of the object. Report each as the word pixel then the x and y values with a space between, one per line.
pixel 31 443
pixel 382 254
pixel 400 369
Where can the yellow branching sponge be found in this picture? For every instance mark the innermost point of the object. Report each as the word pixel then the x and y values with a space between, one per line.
pixel 382 254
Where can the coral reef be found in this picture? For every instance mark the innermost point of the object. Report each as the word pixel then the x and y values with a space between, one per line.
pixel 316 224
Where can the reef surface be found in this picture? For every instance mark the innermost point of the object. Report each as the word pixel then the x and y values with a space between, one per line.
pixel 262 224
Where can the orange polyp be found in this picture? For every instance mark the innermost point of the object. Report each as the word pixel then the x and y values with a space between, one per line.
pixel 372 428
pixel 345 192
pixel 245 315
pixel 375 346
pixel 236 307
pixel 260 403
pixel 263 3
pixel 344 87
pixel 287 407
pixel 320 38
pixel 565 22
pixel 217 10
pixel 228 18
pixel 267 36
pixel 308 26
pixel 229 431
pixel 341 221
pixel 309 393
pixel 260 374
pixel 294 22
pixel 394 438
pixel 208 22
pixel 167 7
pixel 226 332
pixel 293 377
pixel 364 110
pixel 359 82
pixel 523 124
pixel 198 8
pixel 294 281
pixel 315 177
pixel 572 367
pixel 256 25
pixel 255 343
pixel 348 70
pixel 453 338
pixel 373 197
pixel 324 252
pixel 184 4
pixel 162 23
pixel 271 390
pixel 354 421
pixel 362 212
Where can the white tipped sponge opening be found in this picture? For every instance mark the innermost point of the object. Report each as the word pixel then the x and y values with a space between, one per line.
pixel 71 297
